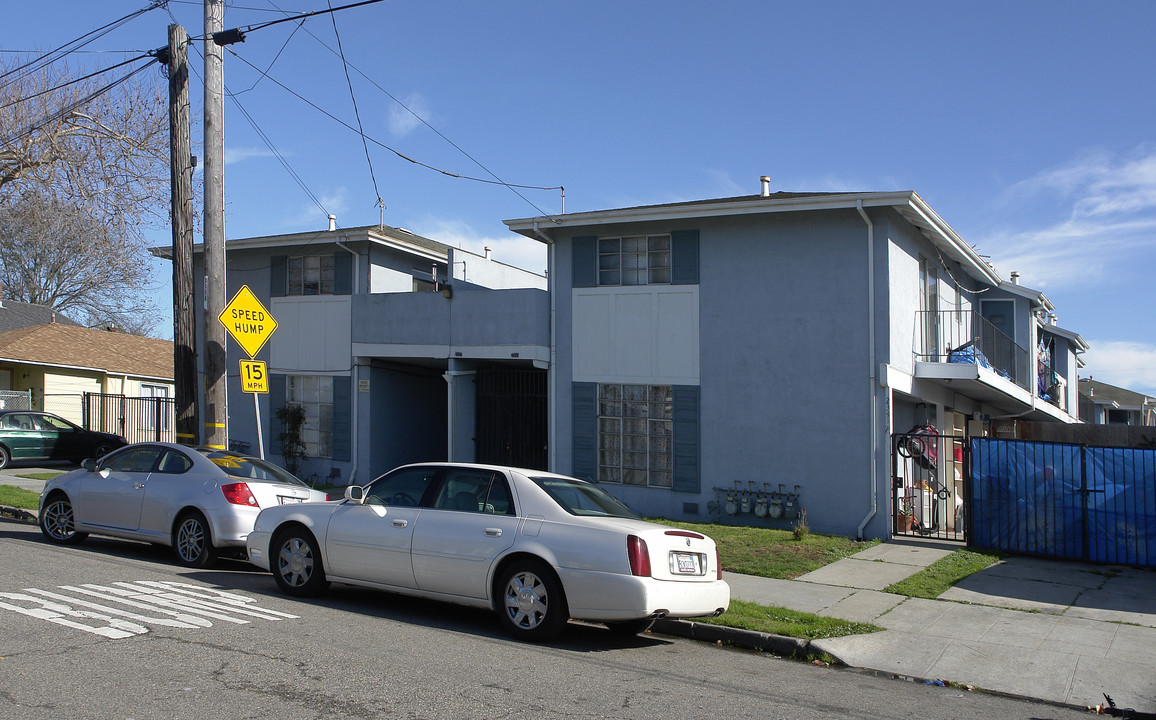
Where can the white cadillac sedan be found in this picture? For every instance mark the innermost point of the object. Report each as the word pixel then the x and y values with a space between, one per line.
pixel 201 502
pixel 536 547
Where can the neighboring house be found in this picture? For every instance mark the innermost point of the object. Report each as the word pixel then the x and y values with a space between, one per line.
pixel 706 349
pixel 61 363
pixel 15 315
pixel 1104 404
pixel 399 348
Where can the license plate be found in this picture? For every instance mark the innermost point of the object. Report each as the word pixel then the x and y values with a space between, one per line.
pixel 687 563
pixel 286 500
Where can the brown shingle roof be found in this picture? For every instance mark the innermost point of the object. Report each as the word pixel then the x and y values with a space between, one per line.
pixel 74 346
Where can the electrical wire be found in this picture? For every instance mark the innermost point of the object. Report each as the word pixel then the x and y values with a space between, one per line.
pixel 67 48
pixel 353 97
pixel 77 80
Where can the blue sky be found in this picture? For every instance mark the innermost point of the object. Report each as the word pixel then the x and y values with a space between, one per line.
pixel 1028 126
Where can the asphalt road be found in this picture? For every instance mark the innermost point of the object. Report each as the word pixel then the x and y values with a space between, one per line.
pixel 113 629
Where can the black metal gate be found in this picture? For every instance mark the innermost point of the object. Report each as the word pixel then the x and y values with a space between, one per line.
pixel 138 419
pixel 512 418
pixel 929 487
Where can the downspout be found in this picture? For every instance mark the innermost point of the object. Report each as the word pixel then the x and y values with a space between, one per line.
pixel 551 372
pixel 871 362
pixel 354 393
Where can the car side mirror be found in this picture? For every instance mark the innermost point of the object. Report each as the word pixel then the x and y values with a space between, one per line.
pixel 355 493
pixel 89 464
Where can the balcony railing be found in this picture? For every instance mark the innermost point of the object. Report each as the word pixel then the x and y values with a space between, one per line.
pixel 950 336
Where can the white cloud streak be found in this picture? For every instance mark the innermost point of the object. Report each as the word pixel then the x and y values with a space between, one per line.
pixel 1130 365
pixel 404 118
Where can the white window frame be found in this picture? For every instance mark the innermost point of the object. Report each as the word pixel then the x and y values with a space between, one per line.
pixel 310 275
pixel 629 260
pixel 313 393
pixel 635 434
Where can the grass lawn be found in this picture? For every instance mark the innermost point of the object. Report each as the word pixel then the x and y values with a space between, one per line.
pixel 791 623
pixel 774 553
pixel 19 498
pixel 933 580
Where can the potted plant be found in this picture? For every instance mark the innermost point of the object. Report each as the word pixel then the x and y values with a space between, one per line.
pixel 905 518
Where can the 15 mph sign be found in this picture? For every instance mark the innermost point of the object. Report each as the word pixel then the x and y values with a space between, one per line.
pixel 247 320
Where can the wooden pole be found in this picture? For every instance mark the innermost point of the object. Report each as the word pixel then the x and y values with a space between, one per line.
pixel 215 413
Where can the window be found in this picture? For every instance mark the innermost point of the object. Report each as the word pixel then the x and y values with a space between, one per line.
pixel 403 488
pixel 634 260
pixel 155 407
pixel 634 434
pixel 310 275
pixel 314 393
pixel 474 491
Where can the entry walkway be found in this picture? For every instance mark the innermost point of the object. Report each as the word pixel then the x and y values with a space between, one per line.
pixel 1058 631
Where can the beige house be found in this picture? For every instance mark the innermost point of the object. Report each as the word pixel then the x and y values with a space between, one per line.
pixel 61 364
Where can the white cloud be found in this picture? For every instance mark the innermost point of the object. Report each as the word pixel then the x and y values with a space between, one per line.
pixel 236 155
pixel 407 114
pixel 1130 365
pixel 511 248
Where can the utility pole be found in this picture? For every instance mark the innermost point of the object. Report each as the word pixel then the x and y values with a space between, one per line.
pixel 216 416
pixel 181 176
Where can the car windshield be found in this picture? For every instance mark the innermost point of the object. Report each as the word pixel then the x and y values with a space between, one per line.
pixel 578 497
pixel 250 468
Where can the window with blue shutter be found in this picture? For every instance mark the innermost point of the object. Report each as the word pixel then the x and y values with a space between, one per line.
pixel 686 438
pixel 684 257
pixel 584 411
pixel 276 402
pixel 278 276
pixel 342 420
pixel 584 251
pixel 343 270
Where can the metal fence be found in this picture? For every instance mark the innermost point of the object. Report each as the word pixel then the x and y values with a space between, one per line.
pixel 1067 501
pixel 138 419
pixel 964 336
pixel 15 399
pixel 928 481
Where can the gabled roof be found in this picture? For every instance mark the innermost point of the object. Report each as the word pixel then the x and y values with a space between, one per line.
pixel 15 315
pixel 1101 393
pixel 75 347
pixel 907 203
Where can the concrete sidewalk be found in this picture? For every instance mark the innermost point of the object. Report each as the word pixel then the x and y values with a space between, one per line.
pixel 1059 631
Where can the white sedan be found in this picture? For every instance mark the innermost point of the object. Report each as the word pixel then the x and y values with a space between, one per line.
pixel 536 547
pixel 198 501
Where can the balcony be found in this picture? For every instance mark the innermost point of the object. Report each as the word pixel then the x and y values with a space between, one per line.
pixel 964 352
pixel 492 324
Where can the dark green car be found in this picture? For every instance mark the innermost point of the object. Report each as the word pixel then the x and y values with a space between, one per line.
pixel 29 435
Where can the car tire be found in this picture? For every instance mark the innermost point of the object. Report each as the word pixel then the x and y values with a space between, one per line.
pixel 5 457
pixel 630 627
pixel 193 541
pixel 57 521
pixel 296 563
pixel 531 602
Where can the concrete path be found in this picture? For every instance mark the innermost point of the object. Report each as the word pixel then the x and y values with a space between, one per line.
pixel 1058 631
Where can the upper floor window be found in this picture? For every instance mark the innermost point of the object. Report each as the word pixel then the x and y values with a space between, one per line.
pixel 634 260
pixel 310 275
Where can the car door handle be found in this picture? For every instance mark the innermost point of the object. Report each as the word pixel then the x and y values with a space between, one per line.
pixel 400 523
pixel 138 486
pixel 492 532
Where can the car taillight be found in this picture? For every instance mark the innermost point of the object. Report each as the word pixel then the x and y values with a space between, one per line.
pixel 239 494
pixel 639 556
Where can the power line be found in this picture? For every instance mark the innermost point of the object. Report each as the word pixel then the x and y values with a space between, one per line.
pixel 356 113
pixel 73 82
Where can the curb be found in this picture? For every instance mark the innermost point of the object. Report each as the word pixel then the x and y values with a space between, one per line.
pixel 750 639
pixel 17 514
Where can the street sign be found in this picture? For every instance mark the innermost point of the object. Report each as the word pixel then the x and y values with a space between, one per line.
pixel 247 320
pixel 254 379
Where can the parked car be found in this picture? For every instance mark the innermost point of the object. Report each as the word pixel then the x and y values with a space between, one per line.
pixel 201 502
pixel 29 435
pixel 536 547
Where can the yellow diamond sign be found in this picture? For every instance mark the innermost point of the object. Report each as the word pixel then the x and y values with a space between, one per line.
pixel 247 320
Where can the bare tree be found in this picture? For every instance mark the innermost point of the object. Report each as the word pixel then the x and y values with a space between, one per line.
pixel 83 175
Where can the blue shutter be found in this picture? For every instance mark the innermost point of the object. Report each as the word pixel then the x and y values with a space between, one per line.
pixel 342 421
pixel 343 274
pixel 585 256
pixel 276 402
pixel 684 257
pixel 278 276
pixel 584 408
pixel 687 470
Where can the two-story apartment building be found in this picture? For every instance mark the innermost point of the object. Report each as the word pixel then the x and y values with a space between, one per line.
pixel 693 357
pixel 399 348
pixel 707 352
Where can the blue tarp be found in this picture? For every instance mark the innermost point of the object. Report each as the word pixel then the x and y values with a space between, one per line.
pixel 1068 501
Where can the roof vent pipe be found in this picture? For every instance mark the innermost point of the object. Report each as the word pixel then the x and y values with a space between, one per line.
pixel 766 179
pixel 487 252
pixel 332 223
pixel 1015 277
